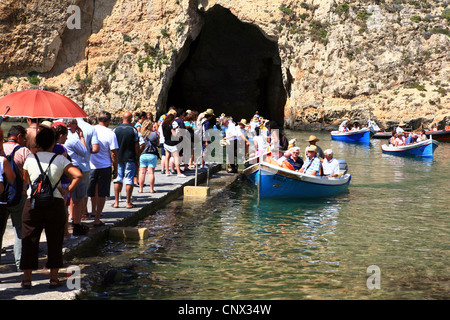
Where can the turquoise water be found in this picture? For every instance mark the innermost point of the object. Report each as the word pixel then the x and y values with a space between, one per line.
pixel 395 216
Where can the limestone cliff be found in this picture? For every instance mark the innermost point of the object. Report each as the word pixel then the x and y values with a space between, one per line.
pixel 308 63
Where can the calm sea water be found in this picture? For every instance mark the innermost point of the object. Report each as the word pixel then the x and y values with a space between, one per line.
pixel 395 217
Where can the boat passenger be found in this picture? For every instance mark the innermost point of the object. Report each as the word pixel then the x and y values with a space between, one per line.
pixel 294 159
pixel 312 142
pixel 411 139
pixel 399 128
pixel 312 163
pixel 343 126
pixel 330 164
pixel 421 136
pixel 356 126
pixel 392 139
pixel 284 157
pixel 400 140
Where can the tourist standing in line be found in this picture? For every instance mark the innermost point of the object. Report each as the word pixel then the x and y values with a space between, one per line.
pixel 77 150
pixel 92 145
pixel 16 139
pixel 204 122
pixel 231 134
pixel 31 134
pixel 103 166
pixel 34 220
pixel 61 133
pixel 128 153
pixel 169 128
pixel 140 117
pixel 149 156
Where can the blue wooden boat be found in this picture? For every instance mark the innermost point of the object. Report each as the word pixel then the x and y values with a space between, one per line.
pixel 362 136
pixel 421 149
pixel 273 181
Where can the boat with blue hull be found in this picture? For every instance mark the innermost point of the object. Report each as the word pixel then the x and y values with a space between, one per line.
pixel 361 136
pixel 421 149
pixel 276 182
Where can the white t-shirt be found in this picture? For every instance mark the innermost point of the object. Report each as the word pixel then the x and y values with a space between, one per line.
pixel 161 134
pixel 107 141
pixel 231 131
pixel 55 172
pixel 330 167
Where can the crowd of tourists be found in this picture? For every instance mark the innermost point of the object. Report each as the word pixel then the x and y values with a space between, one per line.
pixel 400 137
pixel 61 164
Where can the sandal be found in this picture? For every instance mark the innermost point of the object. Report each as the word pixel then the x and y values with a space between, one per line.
pixel 26 284
pixel 131 206
pixel 101 223
pixel 55 284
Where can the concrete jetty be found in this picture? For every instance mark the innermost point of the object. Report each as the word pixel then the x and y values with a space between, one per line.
pixel 167 188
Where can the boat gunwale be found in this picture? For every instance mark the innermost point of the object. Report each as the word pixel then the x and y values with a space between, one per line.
pixel 299 176
pixel 385 147
pixel 349 133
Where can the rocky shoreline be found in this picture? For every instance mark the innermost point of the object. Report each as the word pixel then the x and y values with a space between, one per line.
pixel 387 60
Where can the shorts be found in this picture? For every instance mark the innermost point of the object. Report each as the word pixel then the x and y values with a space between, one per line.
pixel 100 178
pixel 80 191
pixel 148 160
pixel 125 173
pixel 170 149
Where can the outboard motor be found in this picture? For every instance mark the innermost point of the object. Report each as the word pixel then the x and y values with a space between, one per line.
pixel 343 166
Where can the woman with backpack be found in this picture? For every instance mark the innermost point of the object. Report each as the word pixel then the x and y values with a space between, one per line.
pixel 149 156
pixel 45 207
pixel 169 129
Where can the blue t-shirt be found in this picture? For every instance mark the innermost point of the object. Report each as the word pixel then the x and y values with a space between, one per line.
pixel 312 165
pixel 410 139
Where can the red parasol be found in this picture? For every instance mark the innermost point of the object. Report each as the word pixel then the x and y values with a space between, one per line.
pixel 39 104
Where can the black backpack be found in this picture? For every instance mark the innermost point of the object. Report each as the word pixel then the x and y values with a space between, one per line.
pixel 41 188
pixel 13 190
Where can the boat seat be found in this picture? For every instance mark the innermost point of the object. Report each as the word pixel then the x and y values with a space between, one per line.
pixel 343 167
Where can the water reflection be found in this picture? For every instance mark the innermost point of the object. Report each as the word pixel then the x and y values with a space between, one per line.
pixel 395 216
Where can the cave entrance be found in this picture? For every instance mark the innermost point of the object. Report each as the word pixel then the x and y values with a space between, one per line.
pixel 232 68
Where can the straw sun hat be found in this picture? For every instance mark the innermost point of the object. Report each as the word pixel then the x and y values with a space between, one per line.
pixel 311 148
pixel 312 138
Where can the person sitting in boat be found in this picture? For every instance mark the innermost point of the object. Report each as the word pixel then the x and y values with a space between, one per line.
pixel 330 164
pixel 392 139
pixel 421 136
pixel 294 158
pixel 343 126
pixel 284 157
pixel 412 138
pixel 356 126
pixel 312 142
pixel 399 128
pixel 400 140
pixel 312 163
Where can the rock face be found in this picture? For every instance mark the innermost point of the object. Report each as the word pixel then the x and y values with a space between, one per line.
pixel 308 64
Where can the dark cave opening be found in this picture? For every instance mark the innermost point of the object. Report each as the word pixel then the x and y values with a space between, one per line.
pixel 232 68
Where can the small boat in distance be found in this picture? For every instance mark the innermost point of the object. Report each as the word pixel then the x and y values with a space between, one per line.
pixel 382 135
pixel 420 149
pixel 274 181
pixel 440 135
pixel 362 135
